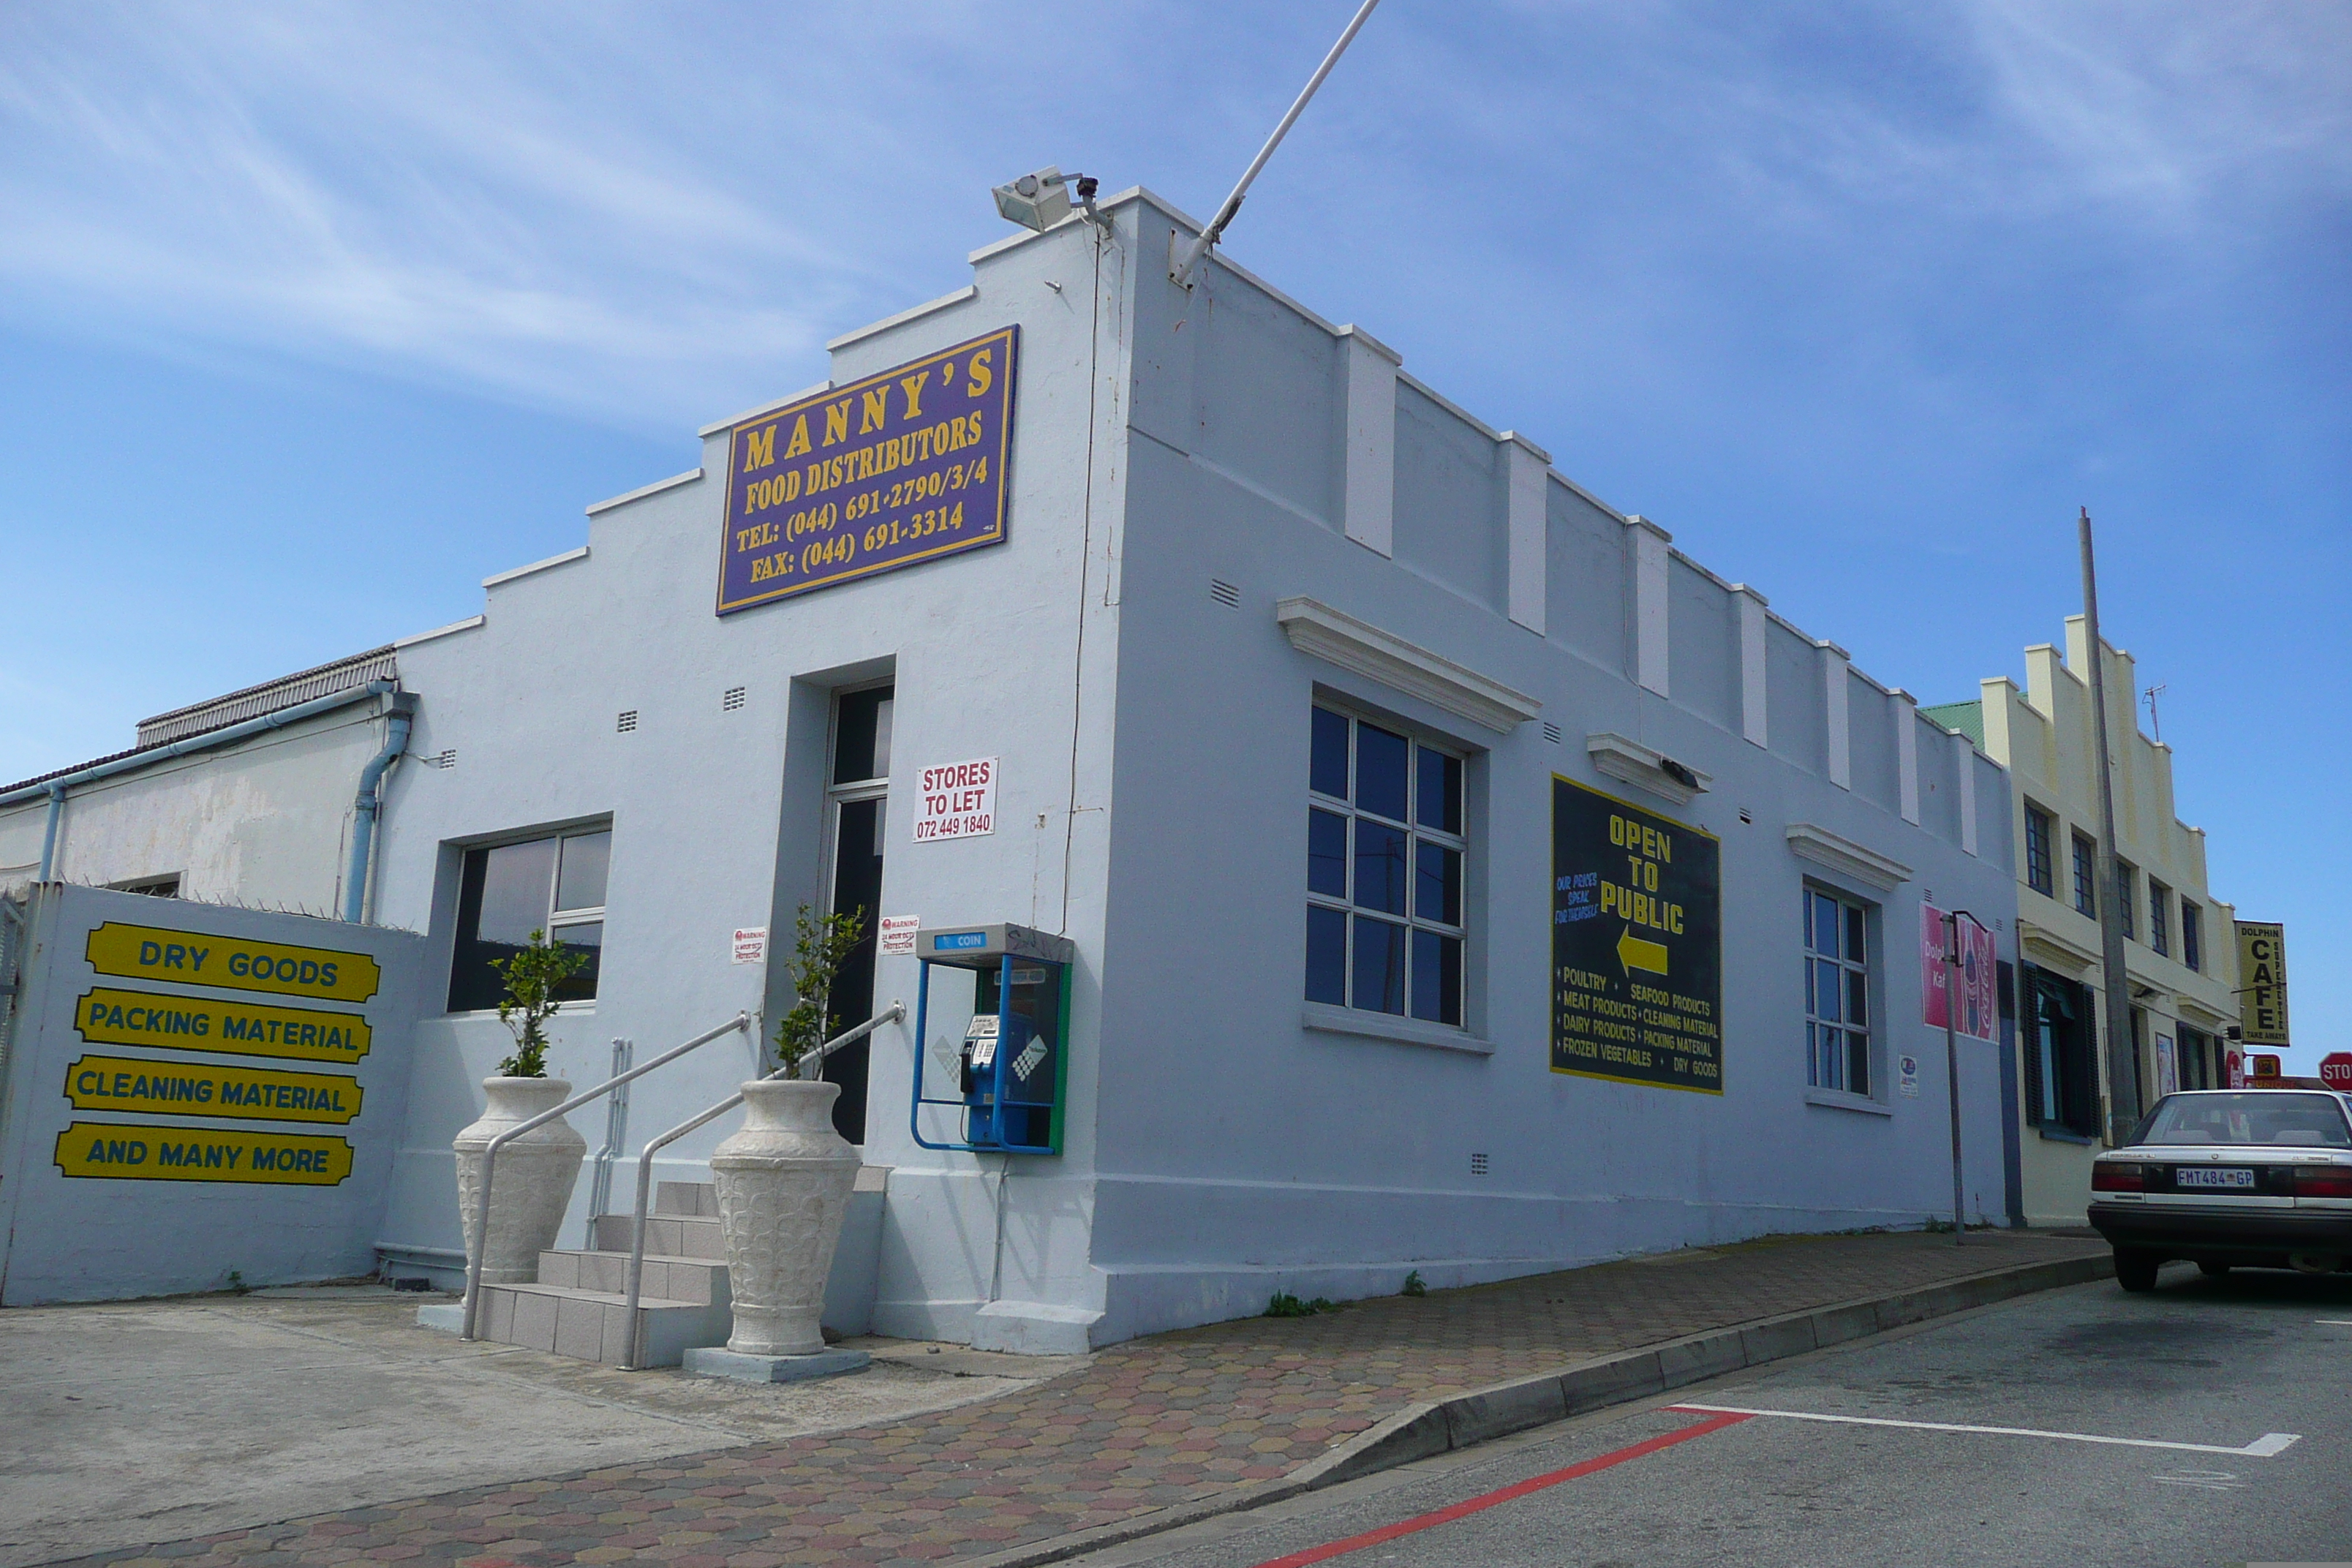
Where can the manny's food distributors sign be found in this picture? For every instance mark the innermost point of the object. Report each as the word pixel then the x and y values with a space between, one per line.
pixel 1636 944
pixel 176 1009
pixel 898 469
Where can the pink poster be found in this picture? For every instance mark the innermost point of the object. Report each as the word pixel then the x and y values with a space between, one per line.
pixel 1979 1014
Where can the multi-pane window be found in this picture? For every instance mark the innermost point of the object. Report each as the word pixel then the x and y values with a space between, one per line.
pixel 2192 935
pixel 2126 878
pixel 509 891
pixel 2086 877
pixel 1837 994
pixel 2038 830
pixel 2159 927
pixel 1384 845
pixel 2061 1078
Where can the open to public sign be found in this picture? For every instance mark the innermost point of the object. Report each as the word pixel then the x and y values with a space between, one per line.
pixel 2335 1070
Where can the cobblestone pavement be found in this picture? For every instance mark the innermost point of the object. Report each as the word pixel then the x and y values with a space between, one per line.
pixel 1147 1425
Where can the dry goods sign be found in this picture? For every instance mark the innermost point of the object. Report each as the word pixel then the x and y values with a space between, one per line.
pixel 1636 944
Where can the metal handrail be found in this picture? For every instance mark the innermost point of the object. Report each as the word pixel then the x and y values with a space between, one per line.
pixel 490 1155
pixel 805 1068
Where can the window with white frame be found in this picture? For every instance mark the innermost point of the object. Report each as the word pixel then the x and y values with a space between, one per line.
pixel 553 884
pixel 1837 993
pixel 1385 847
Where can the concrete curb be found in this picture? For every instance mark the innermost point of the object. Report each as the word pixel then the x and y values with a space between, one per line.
pixel 1421 1431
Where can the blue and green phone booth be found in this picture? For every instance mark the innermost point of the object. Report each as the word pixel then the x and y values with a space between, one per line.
pixel 1012 1063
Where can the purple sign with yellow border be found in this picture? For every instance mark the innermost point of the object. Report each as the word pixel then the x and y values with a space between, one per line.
pixel 899 468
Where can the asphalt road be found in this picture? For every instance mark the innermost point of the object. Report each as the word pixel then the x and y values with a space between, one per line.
pixel 2219 1364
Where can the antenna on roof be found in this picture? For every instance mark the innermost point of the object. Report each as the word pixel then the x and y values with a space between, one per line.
pixel 1180 271
pixel 2154 721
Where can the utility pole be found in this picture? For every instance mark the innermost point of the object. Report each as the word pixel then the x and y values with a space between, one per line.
pixel 2123 1059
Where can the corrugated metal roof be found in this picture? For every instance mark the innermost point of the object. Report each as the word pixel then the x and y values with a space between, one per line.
pixel 218 713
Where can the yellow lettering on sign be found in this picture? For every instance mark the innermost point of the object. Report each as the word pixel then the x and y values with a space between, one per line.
pixel 2261 973
pixel 978 372
pixel 107 1017
pixel 196 958
pixel 115 1150
pixel 800 441
pixel 875 412
pixel 759 448
pixel 201 1088
pixel 836 422
pixel 912 385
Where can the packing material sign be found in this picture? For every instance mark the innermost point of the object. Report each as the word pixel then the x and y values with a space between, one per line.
pixel 2262 976
pixel 1636 944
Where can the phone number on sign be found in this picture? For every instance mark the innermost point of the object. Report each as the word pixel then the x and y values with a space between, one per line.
pixel 840 548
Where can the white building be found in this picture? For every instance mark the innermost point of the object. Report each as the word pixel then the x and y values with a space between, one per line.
pixel 1460 879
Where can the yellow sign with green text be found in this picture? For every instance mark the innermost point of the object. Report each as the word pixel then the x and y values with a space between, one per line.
pixel 109 1151
pixel 232 963
pixel 201 1088
pixel 110 1016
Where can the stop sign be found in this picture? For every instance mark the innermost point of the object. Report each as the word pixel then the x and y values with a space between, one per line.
pixel 2335 1070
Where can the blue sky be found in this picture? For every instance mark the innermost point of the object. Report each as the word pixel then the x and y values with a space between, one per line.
pixel 313 315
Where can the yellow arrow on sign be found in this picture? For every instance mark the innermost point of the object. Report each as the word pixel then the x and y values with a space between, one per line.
pixel 1633 953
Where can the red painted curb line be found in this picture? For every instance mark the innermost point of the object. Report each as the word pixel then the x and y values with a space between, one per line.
pixel 1484 1500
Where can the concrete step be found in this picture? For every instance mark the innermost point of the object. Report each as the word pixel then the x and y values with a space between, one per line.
pixel 672 1236
pixel 590 1324
pixel 692 1200
pixel 702 1280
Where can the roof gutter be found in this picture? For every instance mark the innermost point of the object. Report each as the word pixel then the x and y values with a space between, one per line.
pixel 401 711
pixel 56 788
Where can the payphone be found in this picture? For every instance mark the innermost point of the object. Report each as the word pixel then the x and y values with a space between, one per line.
pixel 1005 1069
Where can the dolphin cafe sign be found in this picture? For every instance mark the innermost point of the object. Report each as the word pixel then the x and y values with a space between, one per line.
pixel 901 468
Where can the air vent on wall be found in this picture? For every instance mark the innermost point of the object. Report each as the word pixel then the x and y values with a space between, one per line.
pixel 1478 1164
pixel 626 722
pixel 447 759
pixel 1551 732
pixel 1224 593
pixel 731 701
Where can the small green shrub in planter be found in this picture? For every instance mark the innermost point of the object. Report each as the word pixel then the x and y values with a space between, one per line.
pixel 532 978
pixel 821 944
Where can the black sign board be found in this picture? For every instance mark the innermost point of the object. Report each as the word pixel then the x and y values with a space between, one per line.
pixel 1636 944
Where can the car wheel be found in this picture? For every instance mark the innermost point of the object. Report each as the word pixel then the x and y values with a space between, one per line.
pixel 2135 1270
pixel 2213 1270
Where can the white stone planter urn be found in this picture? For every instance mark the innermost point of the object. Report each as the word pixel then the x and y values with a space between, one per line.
pixel 784 1182
pixel 532 1185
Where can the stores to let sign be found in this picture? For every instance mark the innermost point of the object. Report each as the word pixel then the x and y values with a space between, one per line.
pixel 900 467
pixel 2262 979
pixel 1637 944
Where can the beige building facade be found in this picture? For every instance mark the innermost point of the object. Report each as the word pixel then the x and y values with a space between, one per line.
pixel 2180 947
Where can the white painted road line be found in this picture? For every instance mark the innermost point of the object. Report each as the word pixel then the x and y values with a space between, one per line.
pixel 2339 1323
pixel 2269 1445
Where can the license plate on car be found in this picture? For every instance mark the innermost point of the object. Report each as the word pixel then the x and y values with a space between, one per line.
pixel 2213 1176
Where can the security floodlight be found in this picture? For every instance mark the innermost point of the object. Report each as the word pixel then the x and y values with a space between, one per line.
pixel 1037 201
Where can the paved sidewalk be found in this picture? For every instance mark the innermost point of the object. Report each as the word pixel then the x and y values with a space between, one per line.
pixel 1171 1420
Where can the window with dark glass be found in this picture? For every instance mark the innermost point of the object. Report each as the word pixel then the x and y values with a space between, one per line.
pixel 507 892
pixel 2159 924
pixel 1384 846
pixel 2192 935
pixel 2126 878
pixel 2038 830
pixel 1837 993
pixel 2086 877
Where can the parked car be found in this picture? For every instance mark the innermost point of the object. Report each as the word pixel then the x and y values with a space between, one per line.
pixel 2227 1178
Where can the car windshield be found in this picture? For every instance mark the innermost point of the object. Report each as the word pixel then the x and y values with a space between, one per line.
pixel 2259 1116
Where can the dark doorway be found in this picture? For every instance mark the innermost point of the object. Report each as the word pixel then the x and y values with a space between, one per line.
pixel 857 802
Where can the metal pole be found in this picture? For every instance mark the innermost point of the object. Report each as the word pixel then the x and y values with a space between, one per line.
pixel 2123 1067
pixel 1952 1066
pixel 1182 269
